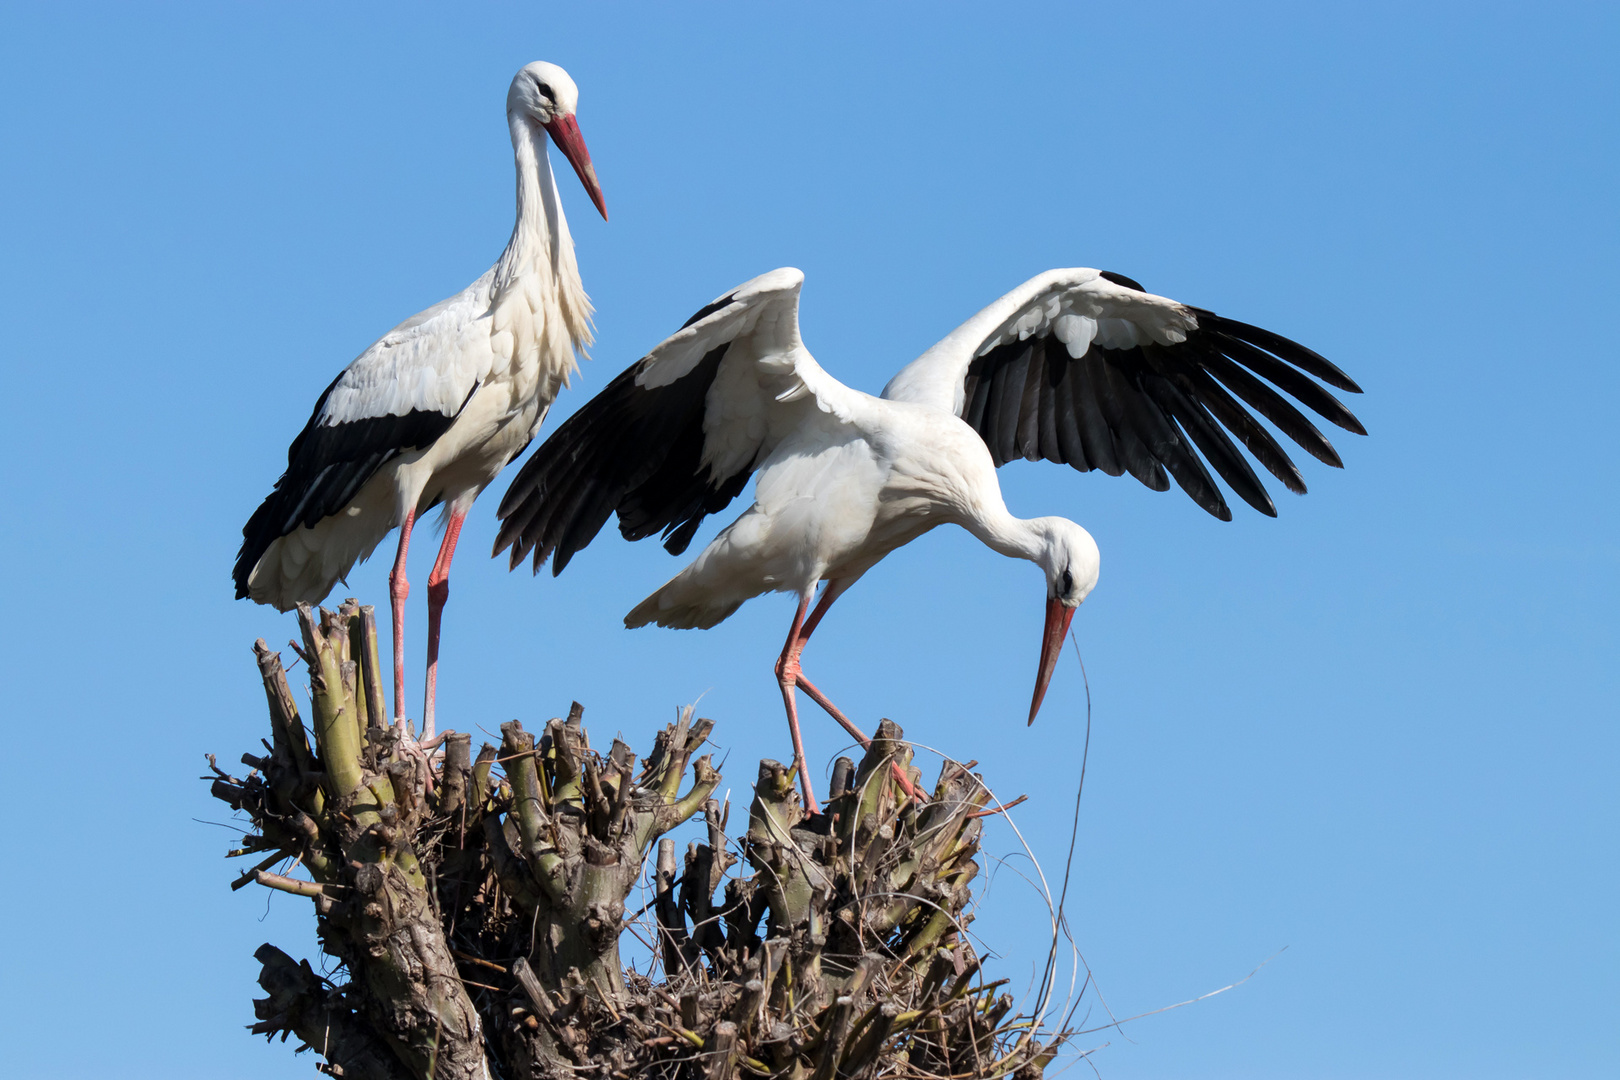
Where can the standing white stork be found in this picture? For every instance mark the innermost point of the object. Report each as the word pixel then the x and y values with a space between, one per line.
pixel 439 405
pixel 1074 366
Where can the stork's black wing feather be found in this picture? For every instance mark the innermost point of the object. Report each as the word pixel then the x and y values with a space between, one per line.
pixel 327 465
pixel 646 448
pixel 631 450
pixel 1160 411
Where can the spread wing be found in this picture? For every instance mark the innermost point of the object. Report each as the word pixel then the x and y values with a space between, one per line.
pixel 674 437
pixel 401 394
pixel 1085 368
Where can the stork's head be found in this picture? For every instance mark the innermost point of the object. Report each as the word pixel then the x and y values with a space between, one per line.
pixel 1072 562
pixel 542 94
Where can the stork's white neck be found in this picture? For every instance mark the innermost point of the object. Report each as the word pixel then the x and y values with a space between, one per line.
pixel 540 230
pixel 1011 536
pixel 541 251
pixel 1063 550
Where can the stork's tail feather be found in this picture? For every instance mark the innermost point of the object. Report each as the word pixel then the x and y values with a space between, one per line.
pixel 664 610
pixel 305 564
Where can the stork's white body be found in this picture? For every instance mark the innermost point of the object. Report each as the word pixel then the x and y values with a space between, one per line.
pixel 433 410
pixel 508 340
pixel 840 491
pixel 434 360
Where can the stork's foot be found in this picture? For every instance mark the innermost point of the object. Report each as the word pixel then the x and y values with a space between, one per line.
pixel 420 749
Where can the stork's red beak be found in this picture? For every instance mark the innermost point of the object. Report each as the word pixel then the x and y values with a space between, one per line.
pixel 564 131
pixel 1058 617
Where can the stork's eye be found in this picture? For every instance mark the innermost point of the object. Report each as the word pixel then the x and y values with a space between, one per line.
pixel 1068 583
pixel 544 89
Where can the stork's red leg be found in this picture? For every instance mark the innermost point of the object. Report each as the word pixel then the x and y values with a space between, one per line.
pixel 787 676
pixel 398 589
pixel 833 590
pixel 832 710
pixel 819 698
pixel 438 593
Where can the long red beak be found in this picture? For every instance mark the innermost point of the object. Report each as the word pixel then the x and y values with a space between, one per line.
pixel 1058 617
pixel 564 131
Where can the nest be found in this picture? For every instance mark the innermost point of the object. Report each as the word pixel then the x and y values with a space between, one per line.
pixel 475 906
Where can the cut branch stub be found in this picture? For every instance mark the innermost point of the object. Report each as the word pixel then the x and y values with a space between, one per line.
pixel 586 828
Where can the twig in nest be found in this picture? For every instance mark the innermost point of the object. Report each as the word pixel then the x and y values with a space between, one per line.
pixel 1002 809
pixel 480 961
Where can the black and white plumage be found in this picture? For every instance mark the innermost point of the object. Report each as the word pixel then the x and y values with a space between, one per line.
pixel 431 412
pixel 1075 366
pixel 1097 392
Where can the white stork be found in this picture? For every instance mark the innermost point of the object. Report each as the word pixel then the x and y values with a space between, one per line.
pixel 1074 366
pixel 438 406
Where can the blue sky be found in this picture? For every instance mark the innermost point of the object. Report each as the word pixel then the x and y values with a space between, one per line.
pixel 1380 730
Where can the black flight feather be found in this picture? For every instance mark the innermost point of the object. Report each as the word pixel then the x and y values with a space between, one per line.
pixel 631 450
pixel 1028 440
pixel 1199 385
pixel 1285 377
pixel 1292 351
pixel 1213 442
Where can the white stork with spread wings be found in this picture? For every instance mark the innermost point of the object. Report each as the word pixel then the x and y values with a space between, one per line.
pixel 439 405
pixel 1081 367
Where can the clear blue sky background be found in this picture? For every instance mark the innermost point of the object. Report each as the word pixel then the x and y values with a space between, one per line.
pixel 1380 731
